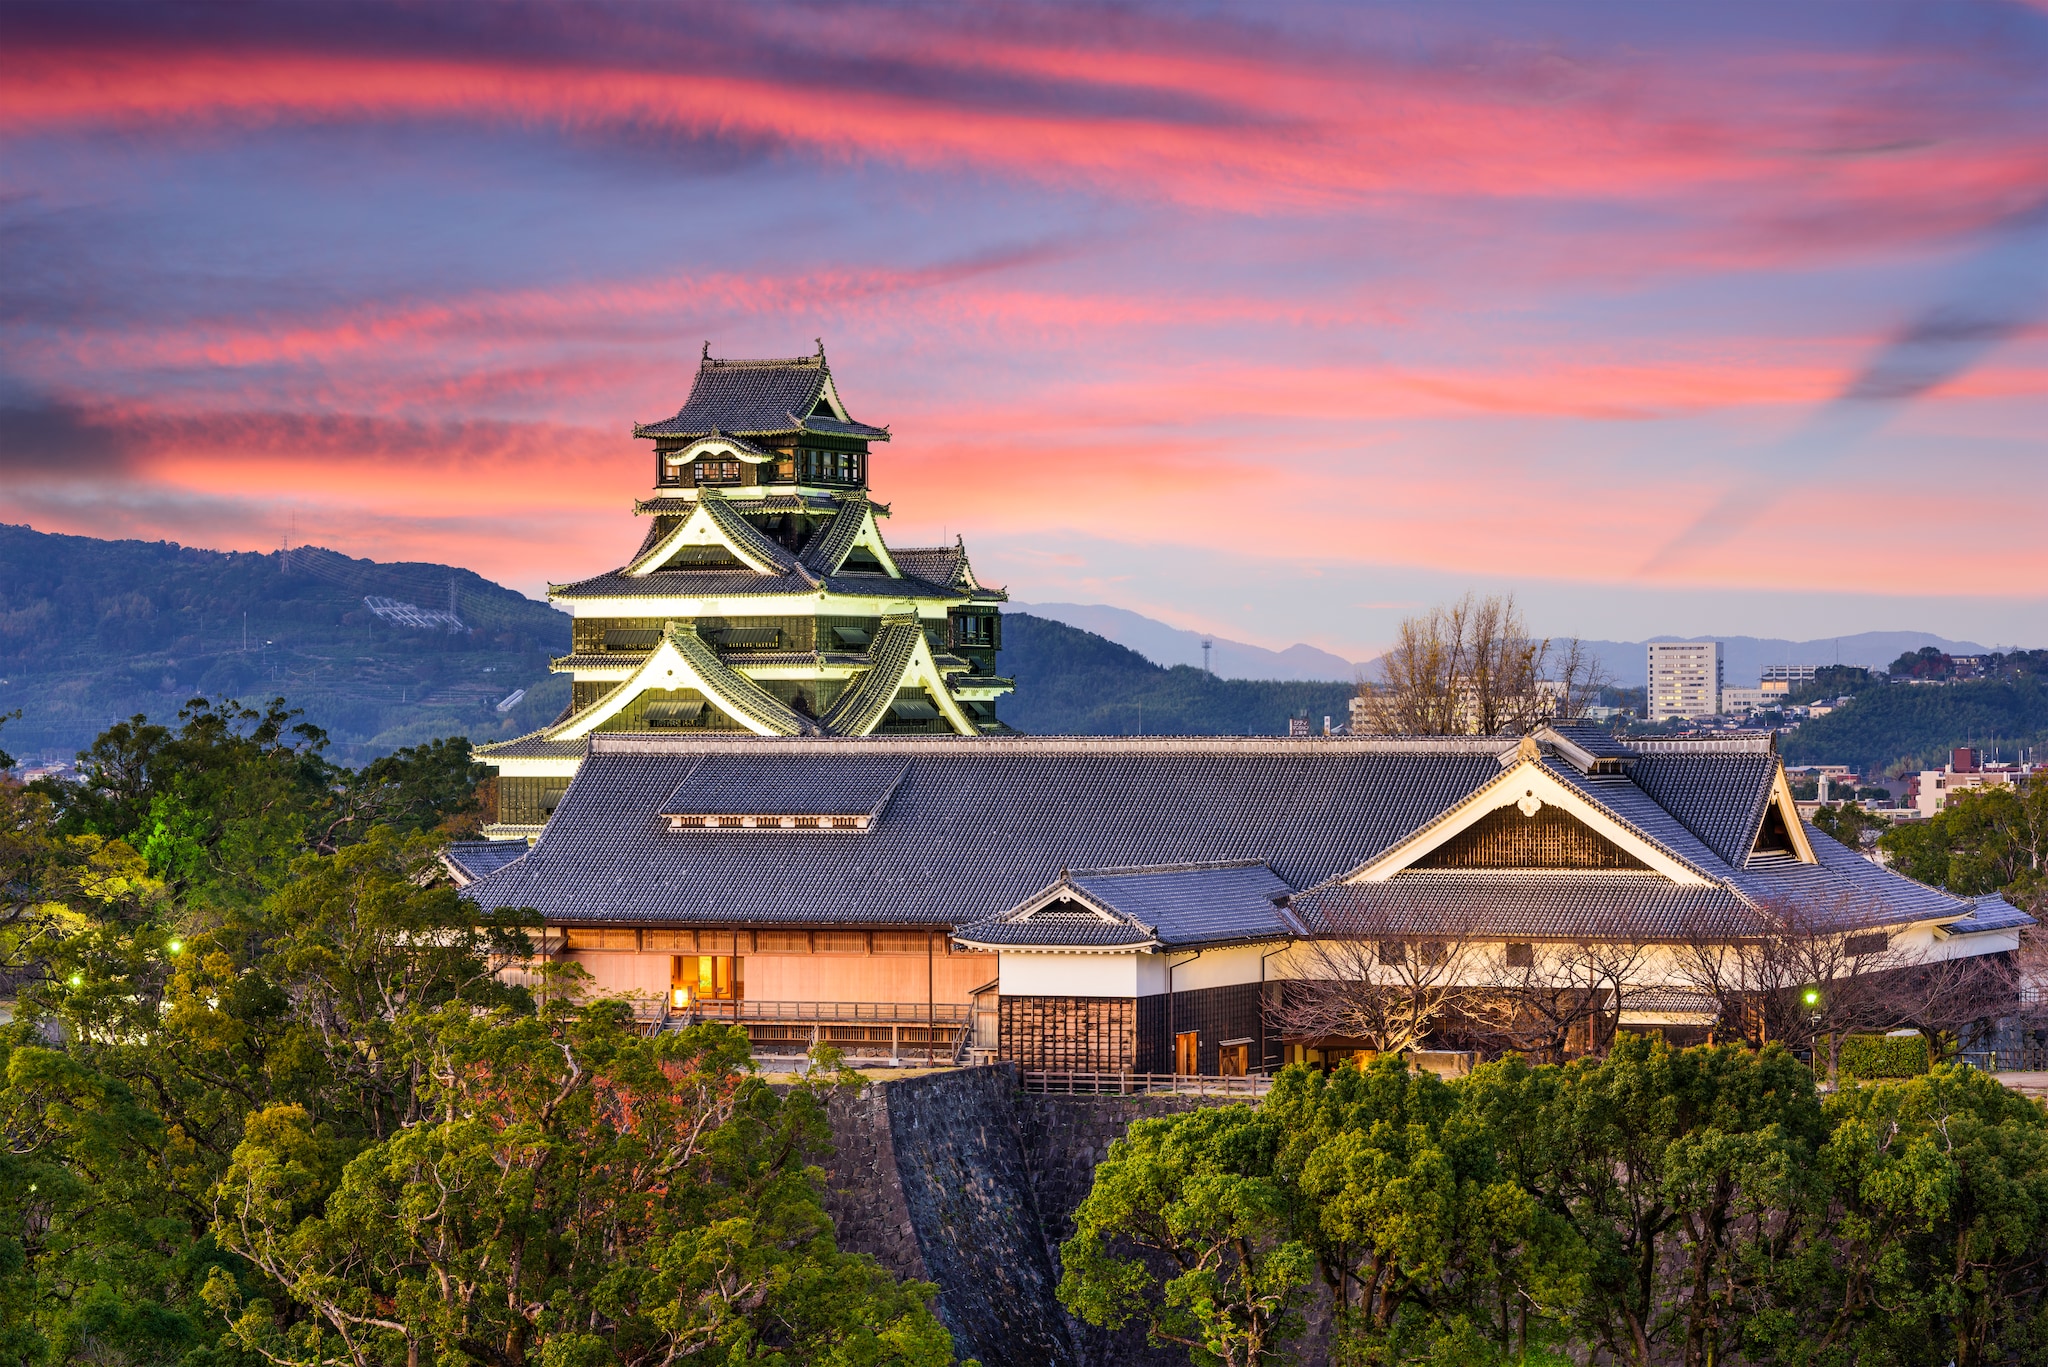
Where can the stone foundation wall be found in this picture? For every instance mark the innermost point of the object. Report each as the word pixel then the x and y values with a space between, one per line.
pixel 960 1179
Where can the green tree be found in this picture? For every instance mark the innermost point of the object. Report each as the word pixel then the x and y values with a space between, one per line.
pixel 1941 1236
pixel 577 1194
pixel 1982 840
pixel 1432 1247
pixel 1849 823
pixel 1200 1193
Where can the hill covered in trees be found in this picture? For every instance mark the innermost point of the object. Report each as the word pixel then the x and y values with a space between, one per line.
pixel 92 631
pixel 1073 682
pixel 1885 724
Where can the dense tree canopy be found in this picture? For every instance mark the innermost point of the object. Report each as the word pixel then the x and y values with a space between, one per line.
pixel 268 1099
pixel 1658 1206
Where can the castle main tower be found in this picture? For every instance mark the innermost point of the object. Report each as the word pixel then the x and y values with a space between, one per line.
pixel 762 598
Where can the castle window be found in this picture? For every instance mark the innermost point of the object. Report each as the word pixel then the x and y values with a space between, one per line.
pixel 674 713
pixel 718 472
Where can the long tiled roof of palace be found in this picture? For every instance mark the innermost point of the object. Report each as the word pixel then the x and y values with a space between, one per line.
pixel 976 827
pixel 759 398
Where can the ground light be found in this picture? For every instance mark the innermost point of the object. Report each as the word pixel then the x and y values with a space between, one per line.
pixel 177 946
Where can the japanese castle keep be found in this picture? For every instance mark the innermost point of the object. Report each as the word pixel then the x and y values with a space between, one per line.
pixel 762 598
pixel 781 796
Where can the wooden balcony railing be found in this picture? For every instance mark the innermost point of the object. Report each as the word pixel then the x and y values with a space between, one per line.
pixel 877 1013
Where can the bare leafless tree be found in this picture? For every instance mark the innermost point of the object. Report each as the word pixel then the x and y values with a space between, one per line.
pixel 1809 974
pixel 1378 983
pixel 1473 668
pixel 1552 1000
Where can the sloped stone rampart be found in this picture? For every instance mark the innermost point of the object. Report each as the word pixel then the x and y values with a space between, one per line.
pixel 960 1179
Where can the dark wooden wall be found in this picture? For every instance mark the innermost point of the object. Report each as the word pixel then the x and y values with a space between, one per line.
pixel 1215 1014
pixel 1090 1034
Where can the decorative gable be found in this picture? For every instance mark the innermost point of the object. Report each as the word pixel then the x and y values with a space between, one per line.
pixel 1781 831
pixel 1525 787
pixel 1547 838
pixel 704 539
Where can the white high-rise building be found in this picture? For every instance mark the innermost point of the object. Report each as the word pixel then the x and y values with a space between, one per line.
pixel 1685 679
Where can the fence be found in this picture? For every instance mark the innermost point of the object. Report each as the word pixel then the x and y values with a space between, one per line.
pixel 882 1013
pixel 899 1030
pixel 1064 1082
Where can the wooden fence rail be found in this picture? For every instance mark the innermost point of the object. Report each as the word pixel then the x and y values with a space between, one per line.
pixel 1068 1082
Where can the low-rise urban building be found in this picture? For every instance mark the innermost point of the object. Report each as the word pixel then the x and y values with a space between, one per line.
pixel 1930 790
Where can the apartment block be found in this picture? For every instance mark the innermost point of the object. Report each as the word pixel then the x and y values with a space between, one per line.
pixel 1685 679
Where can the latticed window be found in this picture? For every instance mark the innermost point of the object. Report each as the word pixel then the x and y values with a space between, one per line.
pixel 1551 839
pixel 718 472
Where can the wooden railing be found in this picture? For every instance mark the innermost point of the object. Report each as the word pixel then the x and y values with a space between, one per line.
pixel 1065 1082
pixel 877 1013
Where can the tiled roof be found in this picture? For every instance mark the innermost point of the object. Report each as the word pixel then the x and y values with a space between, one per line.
pixel 1179 906
pixel 722 583
pixel 470 860
pixel 1534 904
pixel 736 692
pixel 1070 925
pixel 1990 913
pixel 1844 889
pixel 860 708
pixel 678 505
pixel 744 785
pixel 535 745
pixel 1718 797
pixel 727 515
pixel 1197 903
pixel 610 659
pixel 827 548
pixel 977 825
pixel 1594 739
pixel 756 398
pixel 939 564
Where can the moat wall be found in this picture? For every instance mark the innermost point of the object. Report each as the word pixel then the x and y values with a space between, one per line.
pixel 960 1179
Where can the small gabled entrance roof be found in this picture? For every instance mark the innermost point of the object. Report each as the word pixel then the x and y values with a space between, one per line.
pixel 1171 906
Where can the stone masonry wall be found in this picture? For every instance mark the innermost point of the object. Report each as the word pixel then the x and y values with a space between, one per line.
pixel 960 1179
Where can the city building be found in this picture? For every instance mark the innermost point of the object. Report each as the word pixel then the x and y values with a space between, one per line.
pixel 762 599
pixel 1685 679
pixel 1740 701
pixel 1136 904
pixel 1929 791
pixel 1785 678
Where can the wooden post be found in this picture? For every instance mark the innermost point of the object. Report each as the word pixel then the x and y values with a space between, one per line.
pixel 930 996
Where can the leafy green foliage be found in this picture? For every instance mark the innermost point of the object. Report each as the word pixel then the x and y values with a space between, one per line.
pixel 1073 682
pixel 574 1193
pixel 92 630
pixel 1848 823
pixel 1698 1206
pixel 1921 724
pixel 1985 840
pixel 1202 1193
pixel 1875 1056
pixel 256 1030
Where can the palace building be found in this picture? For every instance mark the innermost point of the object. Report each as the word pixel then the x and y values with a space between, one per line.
pixel 1141 904
pixel 762 599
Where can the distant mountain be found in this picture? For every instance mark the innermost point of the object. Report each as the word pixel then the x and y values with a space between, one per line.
pixel 1073 682
pixel 93 631
pixel 1169 646
pixel 1743 657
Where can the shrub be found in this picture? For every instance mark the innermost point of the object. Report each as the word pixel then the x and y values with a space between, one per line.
pixel 1875 1056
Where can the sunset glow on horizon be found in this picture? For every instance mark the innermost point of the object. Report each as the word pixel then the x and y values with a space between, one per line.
pixel 1273 322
